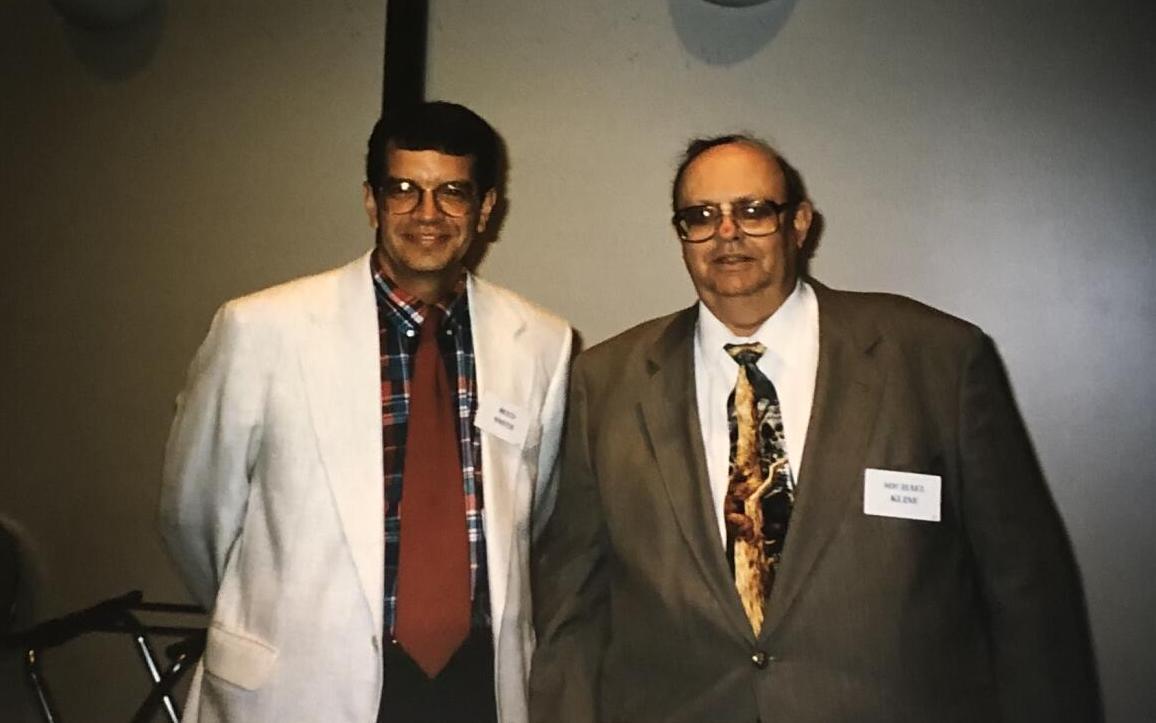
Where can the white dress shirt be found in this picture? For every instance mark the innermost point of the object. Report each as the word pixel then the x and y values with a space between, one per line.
pixel 791 336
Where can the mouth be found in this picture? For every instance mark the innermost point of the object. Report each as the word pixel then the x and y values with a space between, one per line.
pixel 427 237
pixel 726 260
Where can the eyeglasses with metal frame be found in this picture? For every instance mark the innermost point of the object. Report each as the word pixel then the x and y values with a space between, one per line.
pixel 755 216
pixel 452 198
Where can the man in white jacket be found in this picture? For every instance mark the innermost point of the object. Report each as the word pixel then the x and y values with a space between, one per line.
pixel 313 427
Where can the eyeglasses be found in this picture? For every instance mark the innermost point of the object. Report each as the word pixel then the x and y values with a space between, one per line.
pixel 453 198
pixel 756 217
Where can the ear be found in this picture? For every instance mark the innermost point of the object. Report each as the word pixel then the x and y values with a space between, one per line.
pixel 488 202
pixel 804 213
pixel 370 204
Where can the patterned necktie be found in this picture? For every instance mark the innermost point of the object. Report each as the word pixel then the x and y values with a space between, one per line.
pixel 433 577
pixel 761 490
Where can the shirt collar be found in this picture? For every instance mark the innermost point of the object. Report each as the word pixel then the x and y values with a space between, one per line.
pixel 780 333
pixel 408 309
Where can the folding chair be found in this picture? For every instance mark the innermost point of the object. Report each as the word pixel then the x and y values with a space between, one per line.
pixel 118 615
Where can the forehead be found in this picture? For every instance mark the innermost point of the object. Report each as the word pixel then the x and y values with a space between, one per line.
pixel 428 167
pixel 734 170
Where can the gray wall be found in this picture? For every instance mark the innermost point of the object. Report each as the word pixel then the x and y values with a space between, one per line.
pixel 992 159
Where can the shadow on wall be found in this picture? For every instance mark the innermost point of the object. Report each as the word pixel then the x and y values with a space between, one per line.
pixel 720 35
pixel 115 39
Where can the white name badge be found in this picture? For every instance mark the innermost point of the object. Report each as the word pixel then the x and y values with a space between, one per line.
pixel 908 495
pixel 506 421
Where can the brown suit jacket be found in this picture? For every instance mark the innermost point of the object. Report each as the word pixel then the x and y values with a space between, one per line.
pixel 978 617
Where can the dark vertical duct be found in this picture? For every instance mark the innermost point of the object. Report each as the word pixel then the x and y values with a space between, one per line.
pixel 406 31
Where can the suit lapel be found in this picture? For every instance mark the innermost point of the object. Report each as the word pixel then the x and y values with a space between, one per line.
pixel 341 368
pixel 671 423
pixel 847 388
pixel 496 326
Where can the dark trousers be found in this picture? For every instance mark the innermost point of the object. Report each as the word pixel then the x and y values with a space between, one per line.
pixel 463 692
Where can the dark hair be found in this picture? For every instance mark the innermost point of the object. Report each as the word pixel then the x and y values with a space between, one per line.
pixel 436 126
pixel 796 191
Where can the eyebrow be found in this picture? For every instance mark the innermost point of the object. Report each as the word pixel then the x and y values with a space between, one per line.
pixel 733 201
pixel 396 179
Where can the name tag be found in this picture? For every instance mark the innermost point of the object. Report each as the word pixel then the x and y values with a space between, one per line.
pixel 908 495
pixel 504 420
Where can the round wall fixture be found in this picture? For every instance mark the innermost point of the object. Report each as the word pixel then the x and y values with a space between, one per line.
pixel 102 14
pixel 737 3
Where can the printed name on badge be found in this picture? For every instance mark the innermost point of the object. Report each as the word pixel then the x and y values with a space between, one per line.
pixel 506 421
pixel 911 496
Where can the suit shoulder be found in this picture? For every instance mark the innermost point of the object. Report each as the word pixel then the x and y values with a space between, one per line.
pixel 541 319
pixel 903 318
pixel 290 300
pixel 631 344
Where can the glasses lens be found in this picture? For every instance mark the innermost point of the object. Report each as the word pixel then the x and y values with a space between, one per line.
pixel 697 223
pixel 454 199
pixel 757 218
pixel 402 196
pixel 700 223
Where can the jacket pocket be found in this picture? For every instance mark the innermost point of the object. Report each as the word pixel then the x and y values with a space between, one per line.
pixel 239 659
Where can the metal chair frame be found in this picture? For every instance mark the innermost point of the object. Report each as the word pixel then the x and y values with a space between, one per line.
pixel 117 615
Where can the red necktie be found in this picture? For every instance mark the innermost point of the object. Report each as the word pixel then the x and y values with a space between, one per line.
pixel 433 578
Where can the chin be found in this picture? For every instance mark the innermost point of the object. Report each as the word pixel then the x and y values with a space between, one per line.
pixel 428 261
pixel 737 287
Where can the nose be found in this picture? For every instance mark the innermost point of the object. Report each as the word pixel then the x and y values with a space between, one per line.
pixel 427 209
pixel 728 230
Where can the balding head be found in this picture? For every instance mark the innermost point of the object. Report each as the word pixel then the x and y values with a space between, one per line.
pixel 794 187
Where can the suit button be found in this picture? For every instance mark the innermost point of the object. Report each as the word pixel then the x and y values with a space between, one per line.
pixel 761 659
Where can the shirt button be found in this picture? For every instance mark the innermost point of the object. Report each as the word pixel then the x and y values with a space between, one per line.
pixel 761 659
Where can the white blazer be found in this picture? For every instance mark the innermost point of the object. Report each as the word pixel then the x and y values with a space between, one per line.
pixel 272 503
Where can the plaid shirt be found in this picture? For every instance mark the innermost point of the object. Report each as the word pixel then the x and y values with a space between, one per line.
pixel 399 319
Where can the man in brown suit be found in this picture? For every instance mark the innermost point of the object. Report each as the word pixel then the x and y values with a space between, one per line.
pixel 915 567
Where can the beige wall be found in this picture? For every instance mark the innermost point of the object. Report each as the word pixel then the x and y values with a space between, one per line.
pixel 145 177
pixel 993 159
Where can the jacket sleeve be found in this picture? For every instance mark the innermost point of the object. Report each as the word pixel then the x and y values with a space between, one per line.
pixel 210 454
pixel 1042 651
pixel 571 595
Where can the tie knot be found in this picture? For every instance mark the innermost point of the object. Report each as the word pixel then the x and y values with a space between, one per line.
pixel 745 354
pixel 432 316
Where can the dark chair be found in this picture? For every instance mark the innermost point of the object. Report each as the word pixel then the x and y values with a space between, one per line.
pixel 120 616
